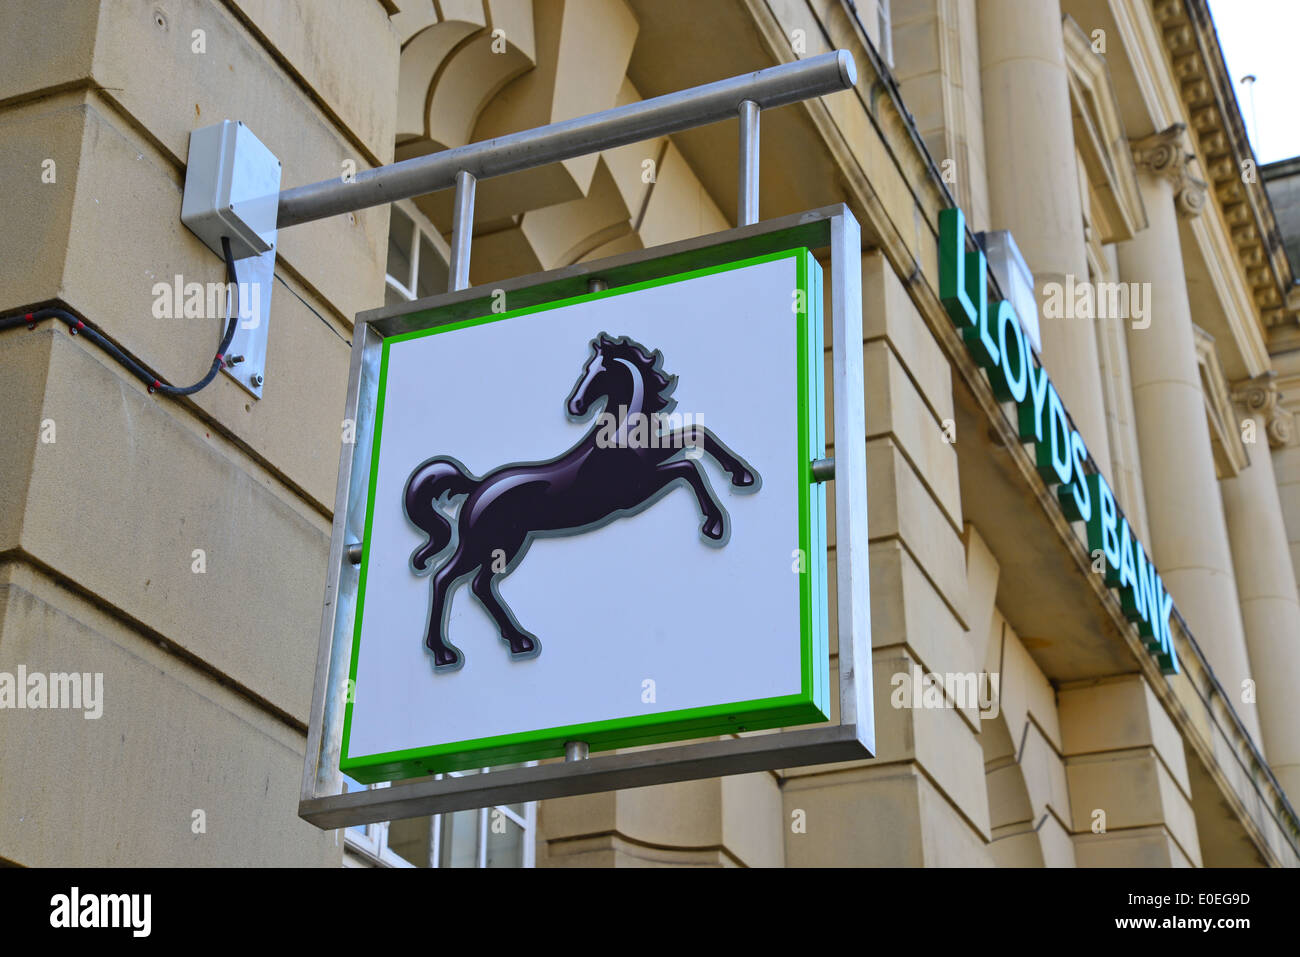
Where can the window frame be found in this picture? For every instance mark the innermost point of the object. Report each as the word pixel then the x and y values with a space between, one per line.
pixel 371 845
pixel 527 824
pixel 885 23
pixel 421 228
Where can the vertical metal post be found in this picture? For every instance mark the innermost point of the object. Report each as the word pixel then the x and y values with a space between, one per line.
pixel 321 774
pixel 851 553
pixel 462 229
pixel 747 208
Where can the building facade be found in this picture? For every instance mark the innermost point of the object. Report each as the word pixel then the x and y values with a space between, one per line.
pixel 177 546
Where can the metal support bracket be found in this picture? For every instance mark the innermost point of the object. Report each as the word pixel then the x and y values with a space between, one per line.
pixel 246 357
pixel 232 191
pixel 232 182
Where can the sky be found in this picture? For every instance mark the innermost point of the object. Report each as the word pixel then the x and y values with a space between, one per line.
pixel 1260 37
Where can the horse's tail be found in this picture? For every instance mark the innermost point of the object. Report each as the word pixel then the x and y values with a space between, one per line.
pixel 427 484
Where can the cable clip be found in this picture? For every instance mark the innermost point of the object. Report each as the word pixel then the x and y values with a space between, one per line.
pixel 154 388
pixel 31 322
pixel 77 328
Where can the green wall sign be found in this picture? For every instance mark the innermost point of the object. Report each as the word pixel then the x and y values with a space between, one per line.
pixel 995 341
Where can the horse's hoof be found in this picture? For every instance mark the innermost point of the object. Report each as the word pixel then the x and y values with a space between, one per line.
pixel 446 659
pixel 714 528
pixel 524 646
pixel 742 479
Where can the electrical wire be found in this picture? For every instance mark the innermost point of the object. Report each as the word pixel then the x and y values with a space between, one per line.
pixel 312 309
pixel 76 326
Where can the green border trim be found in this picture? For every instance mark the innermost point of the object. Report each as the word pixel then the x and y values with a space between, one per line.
pixel 811 705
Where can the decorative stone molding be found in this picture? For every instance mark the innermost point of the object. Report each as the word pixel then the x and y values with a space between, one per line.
pixel 1168 154
pixel 1260 396
pixel 1206 90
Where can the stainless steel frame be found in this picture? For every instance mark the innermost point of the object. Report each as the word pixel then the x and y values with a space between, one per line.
pixel 853 738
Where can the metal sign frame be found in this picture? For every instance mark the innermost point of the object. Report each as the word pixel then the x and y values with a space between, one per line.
pixel 852 738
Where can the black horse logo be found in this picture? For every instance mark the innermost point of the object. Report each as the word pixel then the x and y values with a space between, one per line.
pixel 626 462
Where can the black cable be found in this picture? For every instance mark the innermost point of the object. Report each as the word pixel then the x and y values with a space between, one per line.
pixel 328 325
pixel 76 326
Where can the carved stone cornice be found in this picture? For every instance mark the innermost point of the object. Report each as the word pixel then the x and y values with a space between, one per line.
pixel 1168 154
pixel 1227 161
pixel 1260 396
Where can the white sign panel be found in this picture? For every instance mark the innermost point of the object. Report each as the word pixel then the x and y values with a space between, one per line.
pixel 595 520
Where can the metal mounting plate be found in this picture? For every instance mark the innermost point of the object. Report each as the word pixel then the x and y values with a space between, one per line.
pixel 256 277
pixel 232 186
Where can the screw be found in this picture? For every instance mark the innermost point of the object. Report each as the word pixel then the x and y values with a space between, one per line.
pixel 234 360
pixel 256 379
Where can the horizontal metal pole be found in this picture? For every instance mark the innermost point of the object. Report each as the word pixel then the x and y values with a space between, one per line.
pixel 660 116
pixel 761 752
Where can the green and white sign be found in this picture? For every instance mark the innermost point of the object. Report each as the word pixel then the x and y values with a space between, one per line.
pixel 595 520
pixel 993 336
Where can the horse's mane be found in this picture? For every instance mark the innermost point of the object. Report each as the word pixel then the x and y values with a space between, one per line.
pixel 658 384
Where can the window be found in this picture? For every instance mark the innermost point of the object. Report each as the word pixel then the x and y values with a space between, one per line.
pixel 366 845
pixel 500 836
pixel 881 38
pixel 883 21
pixel 417 257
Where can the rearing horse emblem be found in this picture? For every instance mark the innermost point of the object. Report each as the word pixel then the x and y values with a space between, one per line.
pixel 618 468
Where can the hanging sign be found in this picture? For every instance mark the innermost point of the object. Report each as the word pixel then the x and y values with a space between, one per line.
pixel 595 520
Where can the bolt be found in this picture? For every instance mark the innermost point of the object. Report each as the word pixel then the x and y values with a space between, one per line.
pixel 234 360
pixel 256 379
